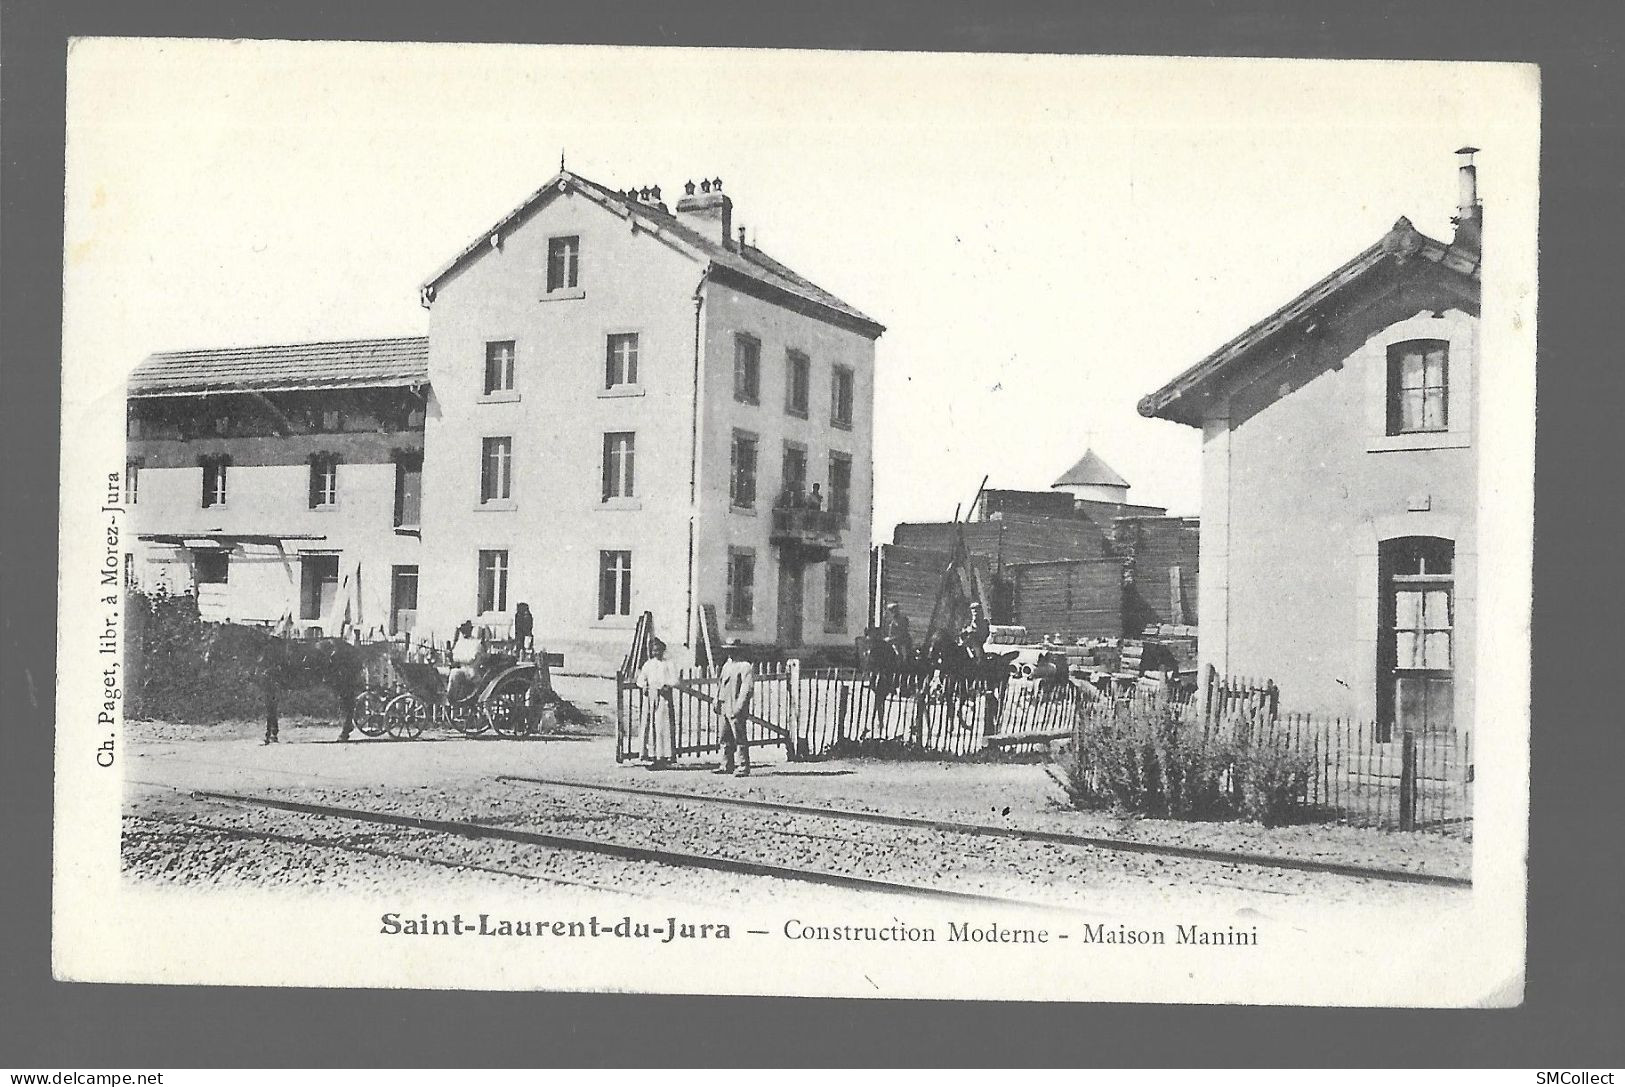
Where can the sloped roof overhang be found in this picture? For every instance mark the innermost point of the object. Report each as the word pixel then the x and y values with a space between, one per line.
pixel 1403 248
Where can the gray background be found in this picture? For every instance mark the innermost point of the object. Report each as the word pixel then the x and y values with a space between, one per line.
pixel 1576 969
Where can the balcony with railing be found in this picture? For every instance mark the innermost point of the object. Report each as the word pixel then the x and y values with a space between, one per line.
pixel 809 532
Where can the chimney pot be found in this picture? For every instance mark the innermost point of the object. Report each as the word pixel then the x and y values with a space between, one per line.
pixel 654 190
pixel 716 184
pixel 1469 215
pixel 705 186
pixel 688 187
pixel 741 237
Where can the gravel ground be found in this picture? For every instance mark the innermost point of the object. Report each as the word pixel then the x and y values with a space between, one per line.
pixel 171 836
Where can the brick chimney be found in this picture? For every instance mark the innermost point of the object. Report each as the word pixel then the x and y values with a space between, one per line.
pixel 1469 217
pixel 708 211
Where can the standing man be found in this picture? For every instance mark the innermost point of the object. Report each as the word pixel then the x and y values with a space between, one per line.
pixel 524 629
pixel 658 677
pixel 734 686
pixel 974 636
pixel 898 634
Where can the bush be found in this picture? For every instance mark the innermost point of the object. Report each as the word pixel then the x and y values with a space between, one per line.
pixel 1150 762
pixel 169 681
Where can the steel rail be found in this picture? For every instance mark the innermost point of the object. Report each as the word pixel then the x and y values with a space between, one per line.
pixel 1215 856
pixel 623 852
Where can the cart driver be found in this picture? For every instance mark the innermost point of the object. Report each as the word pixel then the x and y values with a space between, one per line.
pixel 466 651
pixel 897 633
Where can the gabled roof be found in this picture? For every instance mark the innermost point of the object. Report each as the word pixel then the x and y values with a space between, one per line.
pixel 1090 471
pixel 335 364
pixel 1181 400
pixel 747 262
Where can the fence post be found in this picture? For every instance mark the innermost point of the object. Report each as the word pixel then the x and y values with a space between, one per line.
pixel 1210 683
pixel 843 705
pixel 620 720
pixel 794 744
pixel 1407 782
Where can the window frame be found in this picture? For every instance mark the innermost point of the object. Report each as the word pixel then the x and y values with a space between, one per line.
pixel 407 464
pixel 793 449
pixel 132 480
pixel 1395 391
pixel 747 364
pixel 620 374
pixel 505 366
pixel 836 418
pixel 565 247
pixel 619 480
pixel 216 485
pixel 733 619
pixel 843 508
pixel 614 583
pixel 496 467
pixel 735 469
pixel 494 574
pixel 797 362
pixel 324 481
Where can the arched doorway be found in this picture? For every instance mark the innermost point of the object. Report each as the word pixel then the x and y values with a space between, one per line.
pixel 1416 636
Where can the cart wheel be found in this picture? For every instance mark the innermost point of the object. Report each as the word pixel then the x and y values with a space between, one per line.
pixel 405 716
pixel 470 719
pixel 513 709
pixel 369 712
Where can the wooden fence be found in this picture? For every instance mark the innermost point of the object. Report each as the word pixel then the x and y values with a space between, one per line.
pixel 1407 782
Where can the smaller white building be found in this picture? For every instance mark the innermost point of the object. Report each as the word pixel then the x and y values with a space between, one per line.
pixel 281 483
pixel 1092 480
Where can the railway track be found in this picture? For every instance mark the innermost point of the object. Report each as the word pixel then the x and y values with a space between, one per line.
pixel 619 850
pixel 1256 860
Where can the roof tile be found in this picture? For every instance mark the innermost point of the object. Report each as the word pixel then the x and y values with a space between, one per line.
pixel 332 364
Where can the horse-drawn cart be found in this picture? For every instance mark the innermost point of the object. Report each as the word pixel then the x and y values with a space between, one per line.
pixel 506 695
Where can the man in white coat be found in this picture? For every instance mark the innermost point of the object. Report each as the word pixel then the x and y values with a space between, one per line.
pixel 734 686
pixel 658 677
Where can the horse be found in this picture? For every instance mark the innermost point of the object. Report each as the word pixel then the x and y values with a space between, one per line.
pixel 277 664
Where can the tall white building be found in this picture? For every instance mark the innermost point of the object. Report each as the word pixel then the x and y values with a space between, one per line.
pixel 624 408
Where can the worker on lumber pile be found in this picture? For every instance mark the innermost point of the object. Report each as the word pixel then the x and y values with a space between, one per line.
pixel 975 633
pixel 658 677
pixel 897 634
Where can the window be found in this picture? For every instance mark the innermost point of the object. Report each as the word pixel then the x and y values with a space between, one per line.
pixel 496 470
pixel 493 581
pixel 210 567
pixel 318 585
pixel 499 366
pixel 747 369
pixel 797 383
pixel 741 586
pixel 840 485
pixel 840 399
pixel 793 476
pixel 408 490
pixel 614 583
pixel 563 260
pixel 835 588
pixel 742 490
pixel 324 482
pixel 1418 386
pixel 132 482
pixel 618 457
pixel 332 420
pixel 214 480
pixel 621 360
pixel 132 422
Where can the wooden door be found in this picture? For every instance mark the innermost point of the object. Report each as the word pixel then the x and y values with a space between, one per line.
pixel 790 602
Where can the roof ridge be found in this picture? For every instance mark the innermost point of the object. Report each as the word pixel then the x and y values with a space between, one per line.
pixel 277 346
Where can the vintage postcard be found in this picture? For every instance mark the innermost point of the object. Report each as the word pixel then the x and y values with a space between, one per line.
pixel 803 523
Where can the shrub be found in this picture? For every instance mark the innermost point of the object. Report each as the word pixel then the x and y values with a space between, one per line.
pixel 168 679
pixel 1150 762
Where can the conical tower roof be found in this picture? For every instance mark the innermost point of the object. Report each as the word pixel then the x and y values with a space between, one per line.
pixel 1090 471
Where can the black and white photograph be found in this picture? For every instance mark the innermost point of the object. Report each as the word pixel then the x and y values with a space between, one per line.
pixel 808 523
